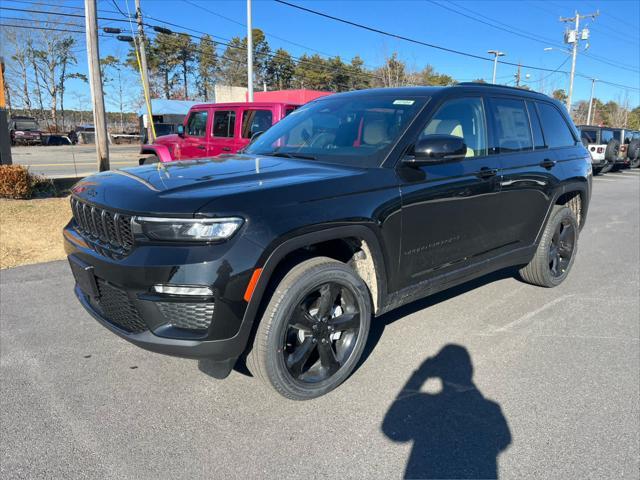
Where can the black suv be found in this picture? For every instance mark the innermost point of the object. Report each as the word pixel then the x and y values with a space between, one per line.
pixel 353 205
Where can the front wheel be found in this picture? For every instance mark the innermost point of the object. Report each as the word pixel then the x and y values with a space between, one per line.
pixel 313 331
pixel 556 251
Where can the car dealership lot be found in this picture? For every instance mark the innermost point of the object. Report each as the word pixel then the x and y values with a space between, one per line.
pixel 562 365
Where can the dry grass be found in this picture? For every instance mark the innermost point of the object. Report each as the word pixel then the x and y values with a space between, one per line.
pixel 31 230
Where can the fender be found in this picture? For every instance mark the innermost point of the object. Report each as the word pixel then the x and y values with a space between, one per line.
pixel 334 233
pixel 573 185
pixel 161 151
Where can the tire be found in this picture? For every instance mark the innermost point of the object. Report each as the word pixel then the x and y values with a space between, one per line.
pixel 549 267
pixel 597 170
pixel 633 151
pixel 611 152
pixel 607 168
pixel 151 159
pixel 294 367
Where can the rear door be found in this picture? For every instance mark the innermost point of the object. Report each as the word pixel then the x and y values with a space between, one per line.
pixel 254 120
pixel 194 144
pixel 529 169
pixel 224 128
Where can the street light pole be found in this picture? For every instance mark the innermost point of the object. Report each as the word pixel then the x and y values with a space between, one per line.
pixel 593 86
pixel 496 54
pixel 249 54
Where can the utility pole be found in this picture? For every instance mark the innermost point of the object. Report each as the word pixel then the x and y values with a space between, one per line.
pixel 496 54
pixel 145 72
pixel 573 37
pixel 249 54
pixel 95 81
pixel 593 86
pixel 5 139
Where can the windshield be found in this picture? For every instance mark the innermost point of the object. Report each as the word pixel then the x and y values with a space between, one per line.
pixel 357 131
pixel 26 125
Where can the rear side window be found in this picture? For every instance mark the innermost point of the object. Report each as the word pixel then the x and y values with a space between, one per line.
pixel 606 136
pixel 290 109
pixel 197 124
pixel 511 125
pixel 589 136
pixel 556 130
pixel 254 121
pixel 536 129
pixel 224 123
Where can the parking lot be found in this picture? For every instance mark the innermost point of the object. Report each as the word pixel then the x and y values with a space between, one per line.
pixel 71 160
pixel 554 392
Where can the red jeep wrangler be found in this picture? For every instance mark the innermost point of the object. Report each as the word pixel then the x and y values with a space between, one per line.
pixel 210 129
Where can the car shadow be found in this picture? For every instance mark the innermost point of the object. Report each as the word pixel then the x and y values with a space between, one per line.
pixel 456 432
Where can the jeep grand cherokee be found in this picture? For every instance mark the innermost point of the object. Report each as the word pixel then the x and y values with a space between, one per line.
pixel 351 206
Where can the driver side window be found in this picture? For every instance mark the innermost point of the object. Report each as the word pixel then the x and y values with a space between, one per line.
pixel 464 118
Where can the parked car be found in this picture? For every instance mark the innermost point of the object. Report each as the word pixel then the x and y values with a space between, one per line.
pixel 351 206
pixel 603 144
pixel 24 131
pixel 631 147
pixel 213 128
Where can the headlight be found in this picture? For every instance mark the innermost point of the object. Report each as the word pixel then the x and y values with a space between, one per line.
pixel 187 229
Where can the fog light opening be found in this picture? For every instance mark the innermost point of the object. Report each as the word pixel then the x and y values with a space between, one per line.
pixel 194 290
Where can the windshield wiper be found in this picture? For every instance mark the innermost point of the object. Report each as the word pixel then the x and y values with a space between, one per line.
pixel 288 155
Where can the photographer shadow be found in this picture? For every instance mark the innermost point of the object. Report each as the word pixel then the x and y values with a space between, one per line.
pixel 456 432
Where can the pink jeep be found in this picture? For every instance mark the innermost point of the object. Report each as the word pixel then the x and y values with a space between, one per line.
pixel 210 129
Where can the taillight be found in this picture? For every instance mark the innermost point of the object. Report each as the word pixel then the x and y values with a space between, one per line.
pixel 623 148
pixel 600 150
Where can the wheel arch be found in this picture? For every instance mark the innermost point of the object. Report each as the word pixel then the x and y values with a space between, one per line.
pixel 161 151
pixel 576 194
pixel 370 264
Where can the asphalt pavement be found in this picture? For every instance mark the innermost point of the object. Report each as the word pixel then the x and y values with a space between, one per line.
pixel 71 160
pixel 501 377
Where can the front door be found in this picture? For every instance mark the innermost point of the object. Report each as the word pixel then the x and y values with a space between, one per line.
pixel 449 208
pixel 194 143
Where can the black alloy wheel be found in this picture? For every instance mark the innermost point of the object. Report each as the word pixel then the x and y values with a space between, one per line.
pixel 321 335
pixel 561 248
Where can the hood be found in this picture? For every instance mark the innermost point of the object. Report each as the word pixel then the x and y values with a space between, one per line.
pixel 184 187
pixel 167 139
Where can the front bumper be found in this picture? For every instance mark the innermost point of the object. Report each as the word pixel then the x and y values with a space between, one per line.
pixel 124 301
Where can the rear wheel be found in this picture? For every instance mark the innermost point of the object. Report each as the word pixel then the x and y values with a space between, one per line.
pixel 151 159
pixel 556 251
pixel 313 331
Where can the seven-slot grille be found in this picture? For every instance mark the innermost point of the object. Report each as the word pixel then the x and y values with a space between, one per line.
pixel 111 228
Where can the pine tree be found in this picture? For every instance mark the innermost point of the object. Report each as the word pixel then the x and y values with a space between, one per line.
pixel 207 68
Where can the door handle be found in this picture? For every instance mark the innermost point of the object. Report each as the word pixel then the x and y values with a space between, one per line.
pixel 201 147
pixel 486 172
pixel 226 149
pixel 546 163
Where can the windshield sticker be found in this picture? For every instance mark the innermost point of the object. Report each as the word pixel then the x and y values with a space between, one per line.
pixel 404 102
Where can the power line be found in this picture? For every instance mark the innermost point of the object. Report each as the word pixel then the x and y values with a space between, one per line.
pixel 521 33
pixel 418 42
pixel 62 14
pixel 53 22
pixel 32 27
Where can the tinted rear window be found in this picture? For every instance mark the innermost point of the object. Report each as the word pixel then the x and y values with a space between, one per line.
pixel 511 122
pixel 556 130
pixel 607 136
pixel 589 136
pixel 224 122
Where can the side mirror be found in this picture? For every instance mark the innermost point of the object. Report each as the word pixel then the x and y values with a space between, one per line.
pixel 181 130
pixel 437 148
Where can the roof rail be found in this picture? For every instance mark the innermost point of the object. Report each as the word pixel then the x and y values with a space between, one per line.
pixel 493 85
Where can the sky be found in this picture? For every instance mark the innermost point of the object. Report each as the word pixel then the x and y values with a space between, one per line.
pixel 458 25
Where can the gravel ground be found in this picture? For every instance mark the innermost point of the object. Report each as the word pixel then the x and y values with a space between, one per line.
pixel 554 392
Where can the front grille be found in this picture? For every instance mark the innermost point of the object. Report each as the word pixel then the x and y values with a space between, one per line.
pixel 192 316
pixel 111 230
pixel 118 309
